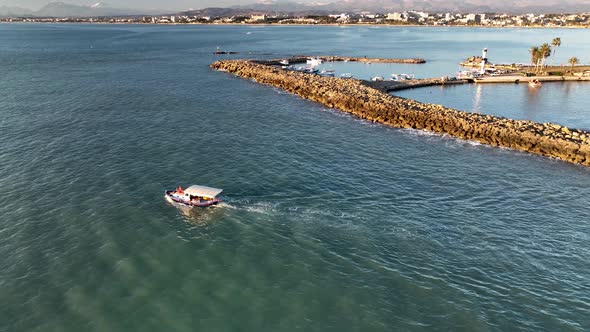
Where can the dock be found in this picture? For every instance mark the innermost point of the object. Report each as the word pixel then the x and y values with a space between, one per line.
pixel 525 79
pixel 390 86
pixel 332 58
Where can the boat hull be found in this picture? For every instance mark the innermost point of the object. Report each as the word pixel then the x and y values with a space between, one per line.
pixel 193 203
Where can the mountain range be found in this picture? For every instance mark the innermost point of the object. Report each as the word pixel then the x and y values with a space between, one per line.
pixel 62 9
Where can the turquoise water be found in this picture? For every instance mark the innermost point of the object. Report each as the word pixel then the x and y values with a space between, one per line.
pixel 565 103
pixel 329 223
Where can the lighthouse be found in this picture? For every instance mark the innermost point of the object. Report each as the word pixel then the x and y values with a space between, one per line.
pixel 484 60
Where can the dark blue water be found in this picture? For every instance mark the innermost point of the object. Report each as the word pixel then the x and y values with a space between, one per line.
pixel 330 223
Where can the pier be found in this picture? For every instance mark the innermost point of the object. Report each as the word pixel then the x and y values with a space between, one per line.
pixel 390 86
pixel 526 79
pixel 331 58
pixel 367 101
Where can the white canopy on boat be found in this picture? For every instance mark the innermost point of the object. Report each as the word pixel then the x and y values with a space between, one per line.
pixel 203 191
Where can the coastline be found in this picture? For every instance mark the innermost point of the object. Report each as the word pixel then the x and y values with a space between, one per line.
pixel 356 97
pixel 581 27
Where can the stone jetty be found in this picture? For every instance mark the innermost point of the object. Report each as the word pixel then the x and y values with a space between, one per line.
pixel 372 60
pixel 332 58
pixel 355 97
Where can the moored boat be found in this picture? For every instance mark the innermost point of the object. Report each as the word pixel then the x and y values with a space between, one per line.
pixel 314 62
pixel 200 196
pixel 535 84
pixel 327 72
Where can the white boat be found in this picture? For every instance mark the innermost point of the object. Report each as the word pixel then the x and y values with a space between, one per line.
pixel 346 75
pixel 200 196
pixel 284 62
pixel 377 79
pixel 327 72
pixel 535 84
pixel 314 61
pixel 402 77
pixel 466 74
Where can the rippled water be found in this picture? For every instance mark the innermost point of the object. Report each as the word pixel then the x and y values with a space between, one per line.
pixel 330 223
pixel 559 102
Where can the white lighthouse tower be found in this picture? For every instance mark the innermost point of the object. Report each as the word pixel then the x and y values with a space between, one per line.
pixel 484 60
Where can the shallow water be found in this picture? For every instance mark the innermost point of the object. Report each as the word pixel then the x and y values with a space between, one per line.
pixel 329 223
pixel 559 102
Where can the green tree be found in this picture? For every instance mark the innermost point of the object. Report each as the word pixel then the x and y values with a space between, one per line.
pixel 544 53
pixel 534 56
pixel 556 42
pixel 573 61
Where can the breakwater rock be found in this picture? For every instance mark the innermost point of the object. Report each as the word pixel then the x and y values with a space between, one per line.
pixel 304 58
pixel 352 96
pixel 375 60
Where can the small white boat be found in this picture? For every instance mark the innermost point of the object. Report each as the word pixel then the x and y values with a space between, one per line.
pixel 327 72
pixel 284 62
pixel 346 75
pixel 377 79
pixel 402 77
pixel 535 84
pixel 200 196
pixel 314 62
pixel 466 74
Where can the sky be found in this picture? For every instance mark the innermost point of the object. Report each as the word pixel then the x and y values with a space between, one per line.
pixel 140 4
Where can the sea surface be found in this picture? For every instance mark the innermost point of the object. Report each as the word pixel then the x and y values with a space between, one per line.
pixel 329 223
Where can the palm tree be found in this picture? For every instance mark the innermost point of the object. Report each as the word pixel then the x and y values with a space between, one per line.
pixel 555 43
pixel 573 61
pixel 544 52
pixel 534 56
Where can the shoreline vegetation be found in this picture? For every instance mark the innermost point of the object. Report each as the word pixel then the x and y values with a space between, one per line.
pixel 360 99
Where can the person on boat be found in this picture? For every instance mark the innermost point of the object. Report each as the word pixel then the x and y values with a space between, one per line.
pixel 179 190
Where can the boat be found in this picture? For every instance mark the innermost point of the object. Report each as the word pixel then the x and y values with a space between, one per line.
pixel 194 195
pixel 467 75
pixel 284 62
pixel 314 62
pixel 377 79
pixel 346 75
pixel 535 84
pixel 402 77
pixel 327 72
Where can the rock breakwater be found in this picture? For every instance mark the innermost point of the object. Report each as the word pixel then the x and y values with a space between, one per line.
pixel 304 58
pixel 352 96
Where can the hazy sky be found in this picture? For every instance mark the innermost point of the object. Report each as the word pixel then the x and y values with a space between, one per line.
pixel 160 4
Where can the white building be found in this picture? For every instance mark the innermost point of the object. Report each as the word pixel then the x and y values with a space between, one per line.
pixel 394 17
pixel 470 17
pixel 255 18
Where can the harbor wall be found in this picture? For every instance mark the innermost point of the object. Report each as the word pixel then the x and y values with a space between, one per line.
pixel 352 96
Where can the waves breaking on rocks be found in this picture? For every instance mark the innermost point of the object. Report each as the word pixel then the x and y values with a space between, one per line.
pixel 352 96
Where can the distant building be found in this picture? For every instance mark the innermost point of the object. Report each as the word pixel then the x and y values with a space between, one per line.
pixel 394 17
pixel 255 18
pixel 173 19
